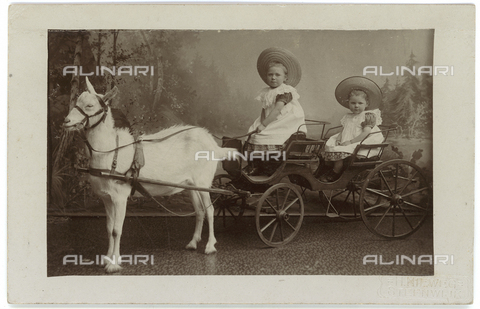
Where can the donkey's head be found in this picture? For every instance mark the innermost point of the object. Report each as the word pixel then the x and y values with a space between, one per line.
pixel 90 109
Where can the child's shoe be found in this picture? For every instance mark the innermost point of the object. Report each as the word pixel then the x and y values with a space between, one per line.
pixel 330 176
pixel 252 169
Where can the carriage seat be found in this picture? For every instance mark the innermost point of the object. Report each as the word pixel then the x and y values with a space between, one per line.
pixel 372 157
pixel 300 149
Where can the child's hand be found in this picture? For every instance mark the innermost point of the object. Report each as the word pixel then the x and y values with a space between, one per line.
pixel 346 143
pixel 260 128
pixel 337 142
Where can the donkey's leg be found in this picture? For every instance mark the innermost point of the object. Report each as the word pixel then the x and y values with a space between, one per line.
pixel 120 207
pixel 200 215
pixel 110 211
pixel 208 207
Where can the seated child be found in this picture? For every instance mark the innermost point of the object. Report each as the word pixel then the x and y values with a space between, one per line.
pixel 281 114
pixel 362 96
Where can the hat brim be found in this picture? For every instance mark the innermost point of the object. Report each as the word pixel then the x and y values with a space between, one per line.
pixel 285 57
pixel 362 83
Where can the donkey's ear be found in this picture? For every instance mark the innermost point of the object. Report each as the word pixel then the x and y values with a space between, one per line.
pixel 111 94
pixel 90 87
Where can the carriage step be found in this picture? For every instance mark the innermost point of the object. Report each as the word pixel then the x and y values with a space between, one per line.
pixel 259 178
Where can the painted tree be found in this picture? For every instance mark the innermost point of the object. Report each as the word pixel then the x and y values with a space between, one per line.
pixel 65 148
pixel 406 107
pixel 388 94
pixel 426 123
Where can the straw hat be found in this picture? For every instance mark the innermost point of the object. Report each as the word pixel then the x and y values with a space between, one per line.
pixel 359 83
pixel 283 56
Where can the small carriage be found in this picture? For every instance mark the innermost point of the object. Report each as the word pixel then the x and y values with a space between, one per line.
pixel 393 198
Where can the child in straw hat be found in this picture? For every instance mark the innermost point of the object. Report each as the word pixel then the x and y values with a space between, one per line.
pixel 362 96
pixel 281 114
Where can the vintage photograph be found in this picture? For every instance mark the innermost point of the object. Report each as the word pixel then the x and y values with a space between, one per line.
pixel 307 152
pixel 241 154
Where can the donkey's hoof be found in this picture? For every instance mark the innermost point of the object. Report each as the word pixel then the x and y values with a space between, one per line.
pixel 191 245
pixel 210 250
pixel 112 268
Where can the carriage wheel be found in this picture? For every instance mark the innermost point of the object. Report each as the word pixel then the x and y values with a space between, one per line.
pixel 279 214
pixel 395 199
pixel 226 204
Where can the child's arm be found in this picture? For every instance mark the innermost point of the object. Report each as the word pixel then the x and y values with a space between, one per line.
pixel 262 116
pixel 339 138
pixel 368 124
pixel 365 132
pixel 273 115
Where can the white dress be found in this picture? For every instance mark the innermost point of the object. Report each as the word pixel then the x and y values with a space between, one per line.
pixel 352 127
pixel 291 118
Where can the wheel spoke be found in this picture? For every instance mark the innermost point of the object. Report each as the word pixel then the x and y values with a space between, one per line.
pixel 372 208
pixel 413 205
pixel 409 182
pixel 414 192
pixel 393 219
pixel 353 197
pixel 223 215
pixel 231 213
pixel 216 199
pixel 383 217
pixel 290 205
pixel 277 199
pixel 290 225
pixel 267 215
pixel 341 192
pixel 267 225
pixel 385 182
pixel 405 216
pixel 286 198
pixel 346 198
pixel 281 230
pixel 396 177
pixel 270 204
pixel 374 191
pixel 273 231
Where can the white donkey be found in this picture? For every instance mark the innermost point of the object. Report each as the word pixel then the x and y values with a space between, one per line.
pixel 172 160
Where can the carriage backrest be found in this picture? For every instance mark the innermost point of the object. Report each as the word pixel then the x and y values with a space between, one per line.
pixel 331 131
pixel 367 154
pixel 303 151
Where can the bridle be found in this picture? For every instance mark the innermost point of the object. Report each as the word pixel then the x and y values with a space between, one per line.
pixel 87 126
pixel 86 120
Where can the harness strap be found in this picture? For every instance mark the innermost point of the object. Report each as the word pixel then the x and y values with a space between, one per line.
pixel 115 155
pixel 98 172
pixel 137 163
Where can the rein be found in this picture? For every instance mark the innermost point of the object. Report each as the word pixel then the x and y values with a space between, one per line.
pixel 154 140
pixel 236 137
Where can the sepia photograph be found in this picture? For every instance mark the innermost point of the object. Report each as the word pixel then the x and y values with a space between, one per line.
pixel 294 114
pixel 250 159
